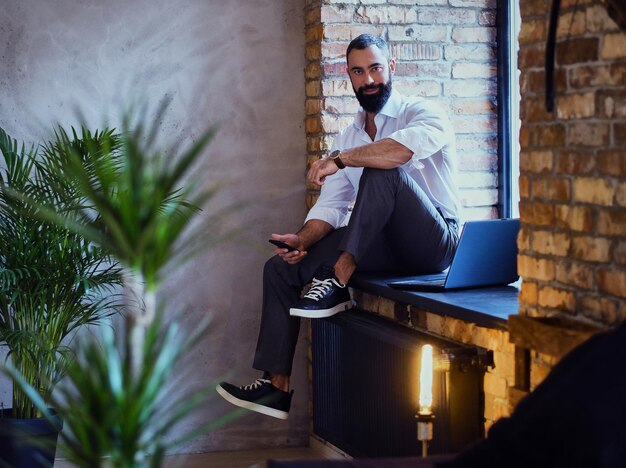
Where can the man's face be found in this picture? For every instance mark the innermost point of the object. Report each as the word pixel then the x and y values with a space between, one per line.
pixel 370 73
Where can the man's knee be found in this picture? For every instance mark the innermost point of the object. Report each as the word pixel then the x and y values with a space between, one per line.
pixel 373 174
pixel 275 266
pixel 276 271
pixel 383 180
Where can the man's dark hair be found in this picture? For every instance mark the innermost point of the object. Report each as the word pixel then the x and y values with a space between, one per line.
pixel 366 40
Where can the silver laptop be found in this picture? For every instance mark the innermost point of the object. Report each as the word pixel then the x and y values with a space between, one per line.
pixel 486 256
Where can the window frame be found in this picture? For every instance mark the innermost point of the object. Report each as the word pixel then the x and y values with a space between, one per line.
pixel 508 111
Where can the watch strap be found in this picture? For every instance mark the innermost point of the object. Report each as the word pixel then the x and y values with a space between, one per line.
pixel 336 156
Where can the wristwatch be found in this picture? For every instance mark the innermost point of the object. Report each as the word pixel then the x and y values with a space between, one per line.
pixel 336 156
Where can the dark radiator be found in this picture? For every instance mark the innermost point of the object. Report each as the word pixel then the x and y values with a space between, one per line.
pixel 366 384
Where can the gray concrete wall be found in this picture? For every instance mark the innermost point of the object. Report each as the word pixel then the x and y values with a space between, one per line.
pixel 235 63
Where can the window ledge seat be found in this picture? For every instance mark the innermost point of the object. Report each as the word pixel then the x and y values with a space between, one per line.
pixel 487 307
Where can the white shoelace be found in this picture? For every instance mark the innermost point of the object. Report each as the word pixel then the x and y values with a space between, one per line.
pixel 256 384
pixel 320 287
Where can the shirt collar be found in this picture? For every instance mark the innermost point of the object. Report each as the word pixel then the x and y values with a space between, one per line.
pixel 390 109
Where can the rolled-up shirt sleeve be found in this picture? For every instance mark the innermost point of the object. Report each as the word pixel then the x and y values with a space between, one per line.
pixel 426 131
pixel 336 194
pixel 332 204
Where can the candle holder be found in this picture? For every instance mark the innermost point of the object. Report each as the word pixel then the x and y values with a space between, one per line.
pixel 425 429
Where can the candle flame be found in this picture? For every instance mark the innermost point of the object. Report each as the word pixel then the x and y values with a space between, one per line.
pixel 426 380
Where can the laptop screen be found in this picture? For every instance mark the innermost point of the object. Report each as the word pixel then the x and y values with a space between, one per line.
pixel 486 254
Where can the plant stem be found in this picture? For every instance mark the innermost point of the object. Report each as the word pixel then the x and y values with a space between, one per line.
pixel 140 316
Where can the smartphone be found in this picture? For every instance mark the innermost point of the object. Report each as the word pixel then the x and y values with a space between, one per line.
pixel 282 245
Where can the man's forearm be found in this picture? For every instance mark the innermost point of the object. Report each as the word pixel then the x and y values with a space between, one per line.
pixel 312 231
pixel 383 154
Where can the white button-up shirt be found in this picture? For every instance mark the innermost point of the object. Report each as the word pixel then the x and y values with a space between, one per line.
pixel 419 125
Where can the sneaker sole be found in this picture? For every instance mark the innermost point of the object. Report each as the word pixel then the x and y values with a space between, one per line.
pixel 322 313
pixel 250 405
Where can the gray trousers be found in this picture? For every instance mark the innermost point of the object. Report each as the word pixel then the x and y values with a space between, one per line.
pixel 394 227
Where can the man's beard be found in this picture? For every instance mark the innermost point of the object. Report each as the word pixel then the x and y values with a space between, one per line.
pixel 374 102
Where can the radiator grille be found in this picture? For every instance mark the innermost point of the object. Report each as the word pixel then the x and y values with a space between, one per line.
pixel 365 389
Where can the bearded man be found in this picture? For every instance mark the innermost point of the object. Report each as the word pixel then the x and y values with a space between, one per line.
pixel 395 165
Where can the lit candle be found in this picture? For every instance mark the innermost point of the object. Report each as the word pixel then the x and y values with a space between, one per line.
pixel 426 381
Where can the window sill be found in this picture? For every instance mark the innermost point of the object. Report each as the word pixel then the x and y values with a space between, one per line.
pixel 486 307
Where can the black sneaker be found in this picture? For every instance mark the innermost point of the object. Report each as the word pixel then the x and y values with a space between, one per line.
pixel 260 396
pixel 326 297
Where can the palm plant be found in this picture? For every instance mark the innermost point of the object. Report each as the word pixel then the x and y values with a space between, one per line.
pixel 52 279
pixel 114 400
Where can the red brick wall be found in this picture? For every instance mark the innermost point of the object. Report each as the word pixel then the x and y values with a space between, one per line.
pixel 445 50
pixel 573 166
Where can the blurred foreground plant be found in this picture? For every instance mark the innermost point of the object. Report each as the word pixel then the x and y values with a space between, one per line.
pixel 118 418
pixel 114 401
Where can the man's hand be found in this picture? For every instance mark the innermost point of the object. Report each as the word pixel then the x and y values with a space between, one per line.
pixel 320 169
pixel 294 240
